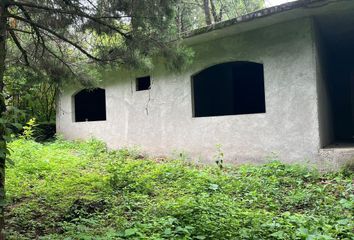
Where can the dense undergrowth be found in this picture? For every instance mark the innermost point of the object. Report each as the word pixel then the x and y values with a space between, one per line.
pixel 78 190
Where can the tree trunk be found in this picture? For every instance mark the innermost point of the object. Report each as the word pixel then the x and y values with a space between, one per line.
pixel 213 11
pixel 206 8
pixel 179 19
pixel 3 146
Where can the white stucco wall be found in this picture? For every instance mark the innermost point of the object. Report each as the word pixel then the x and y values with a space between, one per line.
pixel 160 121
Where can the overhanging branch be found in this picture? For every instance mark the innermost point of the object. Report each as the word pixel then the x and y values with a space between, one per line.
pixel 63 38
pixel 19 30
pixel 76 12
pixel 40 39
pixel 18 44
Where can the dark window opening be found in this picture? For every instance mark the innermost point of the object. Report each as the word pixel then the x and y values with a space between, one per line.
pixel 229 89
pixel 143 83
pixel 90 105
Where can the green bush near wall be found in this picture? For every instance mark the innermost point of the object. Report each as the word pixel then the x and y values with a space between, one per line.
pixel 79 190
pixel 44 131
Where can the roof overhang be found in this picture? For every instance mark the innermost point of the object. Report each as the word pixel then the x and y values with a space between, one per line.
pixel 269 16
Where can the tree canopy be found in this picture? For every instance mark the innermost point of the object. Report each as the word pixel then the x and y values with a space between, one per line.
pixel 57 35
pixel 60 40
pixel 44 43
pixel 192 14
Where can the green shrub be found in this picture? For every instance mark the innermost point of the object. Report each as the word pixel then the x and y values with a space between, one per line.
pixel 44 131
pixel 79 190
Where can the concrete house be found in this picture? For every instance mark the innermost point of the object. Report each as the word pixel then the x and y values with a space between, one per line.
pixel 279 81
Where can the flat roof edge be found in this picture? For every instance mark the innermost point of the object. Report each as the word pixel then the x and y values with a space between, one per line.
pixel 255 15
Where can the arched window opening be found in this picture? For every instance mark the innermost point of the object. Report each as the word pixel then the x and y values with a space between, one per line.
pixel 229 89
pixel 90 105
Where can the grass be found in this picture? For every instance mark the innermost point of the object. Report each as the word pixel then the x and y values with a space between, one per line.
pixel 79 190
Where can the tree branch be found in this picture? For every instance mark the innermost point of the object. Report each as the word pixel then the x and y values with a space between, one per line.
pixel 36 30
pixel 20 30
pixel 18 44
pixel 76 45
pixel 76 12
pixel 61 60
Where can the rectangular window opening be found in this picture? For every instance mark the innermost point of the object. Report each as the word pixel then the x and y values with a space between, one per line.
pixel 143 83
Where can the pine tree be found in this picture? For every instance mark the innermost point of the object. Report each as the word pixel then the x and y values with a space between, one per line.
pixel 60 37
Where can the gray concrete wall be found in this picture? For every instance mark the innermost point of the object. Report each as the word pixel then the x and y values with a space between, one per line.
pixel 160 120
